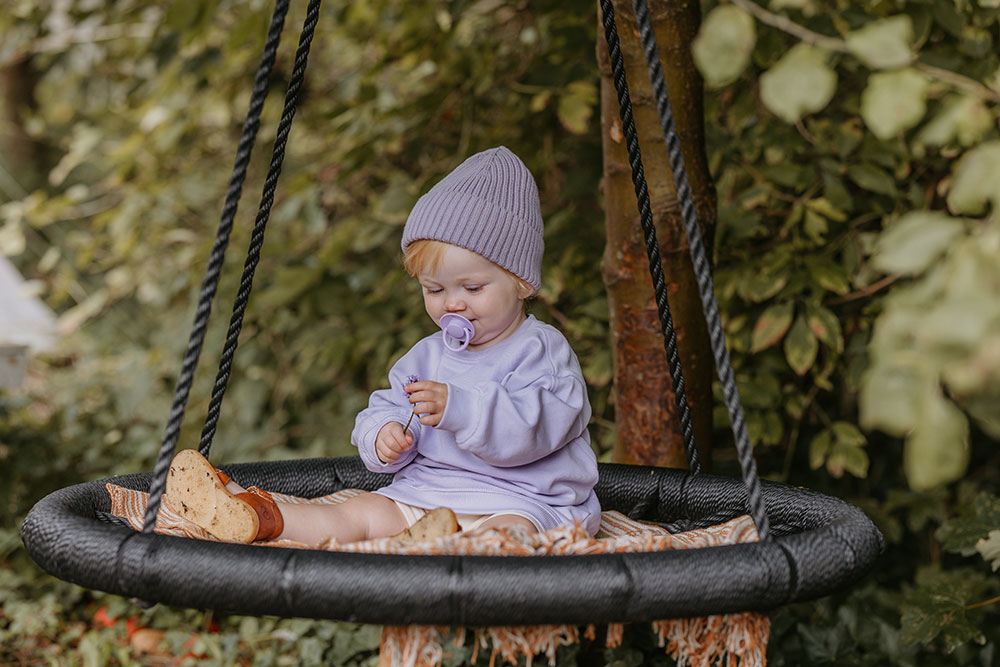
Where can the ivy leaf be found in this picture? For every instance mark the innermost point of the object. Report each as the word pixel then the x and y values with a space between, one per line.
pixel 937 607
pixel 963 118
pixel 937 451
pixel 771 326
pixel 975 183
pixel 799 83
pixel 724 45
pixel 989 549
pixel 913 243
pixel 801 347
pixel 576 106
pixel 883 44
pixel 963 534
pixel 826 327
pixel 894 101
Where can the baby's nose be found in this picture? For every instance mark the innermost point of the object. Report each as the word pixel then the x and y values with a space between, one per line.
pixel 454 304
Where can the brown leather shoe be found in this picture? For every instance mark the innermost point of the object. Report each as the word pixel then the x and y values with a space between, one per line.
pixel 196 490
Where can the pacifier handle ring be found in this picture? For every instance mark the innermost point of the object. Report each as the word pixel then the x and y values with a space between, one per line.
pixel 461 345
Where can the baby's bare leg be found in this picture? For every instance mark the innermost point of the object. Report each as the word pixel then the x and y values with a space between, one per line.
pixel 360 518
pixel 363 517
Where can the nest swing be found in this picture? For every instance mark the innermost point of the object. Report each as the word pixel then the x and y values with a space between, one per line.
pixel 810 544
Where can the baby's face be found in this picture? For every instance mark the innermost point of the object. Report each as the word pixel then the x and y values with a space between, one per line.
pixel 477 289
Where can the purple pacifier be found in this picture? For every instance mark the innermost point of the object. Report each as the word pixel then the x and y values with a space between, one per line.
pixel 457 331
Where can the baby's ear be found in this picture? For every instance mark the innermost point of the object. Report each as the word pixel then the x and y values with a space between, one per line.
pixel 524 290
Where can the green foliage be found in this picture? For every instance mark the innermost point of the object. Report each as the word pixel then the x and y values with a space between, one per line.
pixel 845 153
pixel 856 265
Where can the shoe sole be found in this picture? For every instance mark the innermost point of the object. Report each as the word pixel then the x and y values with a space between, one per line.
pixel 196 493
pixel 436 523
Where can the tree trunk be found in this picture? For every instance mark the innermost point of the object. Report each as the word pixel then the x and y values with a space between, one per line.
pixel 648 429
pixel 19 154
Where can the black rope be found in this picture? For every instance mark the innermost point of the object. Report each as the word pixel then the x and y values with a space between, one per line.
pixel 702 271
pixel 649 231
pixel 210 282
pixel 257 237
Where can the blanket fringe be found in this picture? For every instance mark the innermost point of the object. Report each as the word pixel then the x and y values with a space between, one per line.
pixel 734 640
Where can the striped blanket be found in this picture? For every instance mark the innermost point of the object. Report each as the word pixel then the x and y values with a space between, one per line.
pixel 697 642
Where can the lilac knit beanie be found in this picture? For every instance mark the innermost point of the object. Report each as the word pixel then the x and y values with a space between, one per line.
pixel 489 205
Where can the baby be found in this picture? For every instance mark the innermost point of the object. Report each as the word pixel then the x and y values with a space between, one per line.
pixel 487 419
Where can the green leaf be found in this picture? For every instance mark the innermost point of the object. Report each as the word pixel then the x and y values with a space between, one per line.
pixel 823 206
pixel 771 326
pixel 890 397
pixel 976 41
pixel 894 101
pixel 870 177
pixel 841 447
pixel 848 434
pixel 799 83
pixel 576 106
pixel 826 327
pixel 847 458
pixel 937 607
pixel 963 533
pixel 815 226
pixel 913 243
pixel 829 275
pixel 975 181
pixel 937 450
pixel 964 118
pixel 761 286
pixel 989 549
pixel 724 45
pixel 883 44
pixel 819 448
pixel 801 346
pixel 540 100
pixel 947 16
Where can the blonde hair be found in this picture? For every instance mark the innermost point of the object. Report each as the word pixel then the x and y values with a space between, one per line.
pixel 424 255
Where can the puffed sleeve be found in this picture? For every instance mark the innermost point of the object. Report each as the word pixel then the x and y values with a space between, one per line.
pixel 384 406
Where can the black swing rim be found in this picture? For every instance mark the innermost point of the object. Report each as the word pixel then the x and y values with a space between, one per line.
pixel 819 544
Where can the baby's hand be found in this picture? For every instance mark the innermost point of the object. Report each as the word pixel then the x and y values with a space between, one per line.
pixel 391 442
pixel 429 399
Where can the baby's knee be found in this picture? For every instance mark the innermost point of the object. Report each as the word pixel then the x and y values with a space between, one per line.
pixel 380 515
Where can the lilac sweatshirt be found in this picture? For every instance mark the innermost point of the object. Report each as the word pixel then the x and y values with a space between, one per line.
pixel 513 436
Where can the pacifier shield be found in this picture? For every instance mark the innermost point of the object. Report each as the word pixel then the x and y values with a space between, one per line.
pixel 456 331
